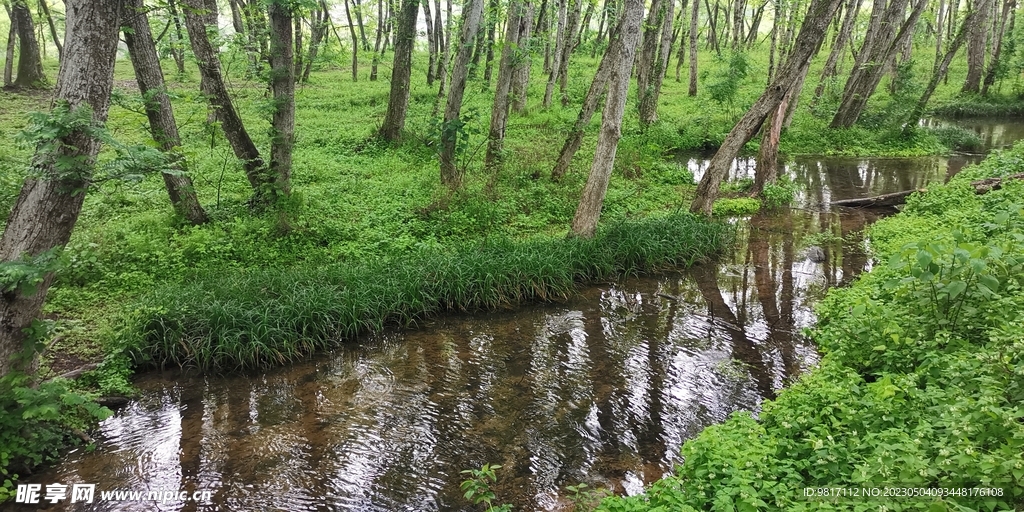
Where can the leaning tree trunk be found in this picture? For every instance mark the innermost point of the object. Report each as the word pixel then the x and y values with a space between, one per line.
pixel 53 28
pixel 871 60
pixel 282 87
pixel 499 111
pixel 355 42
pixel 234 130
pixel 816 22
pixel 940 70
pixel 997 45
pixel 139 39
pixel 571 41
pixel 398 101
pixel 575 138
pixel 829 71
pixel 549 89
pixel 584 222
pixel 49 203
pixel 30 64
pixel 451 175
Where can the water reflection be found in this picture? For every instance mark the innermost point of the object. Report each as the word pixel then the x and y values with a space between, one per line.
pixel 603 389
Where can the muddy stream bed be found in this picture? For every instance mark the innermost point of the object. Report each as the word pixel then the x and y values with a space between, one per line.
pixel 602 389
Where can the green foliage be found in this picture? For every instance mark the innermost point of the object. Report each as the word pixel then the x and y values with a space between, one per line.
pixel 737 207
pixel 36 422
pixel 958 139
pixel 478 487
pixel 778 193
pixel 724 84
pixel 584 498
pixel 921 385
pixel 24 275
pixel 254 318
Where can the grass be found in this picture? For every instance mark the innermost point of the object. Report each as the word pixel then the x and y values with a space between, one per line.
pixel 268 317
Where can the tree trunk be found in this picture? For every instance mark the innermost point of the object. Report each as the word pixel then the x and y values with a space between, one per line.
pixel 509 54
pixel 815 24
pixel 451 175
pixel 12 41
pixel 177 50
pixel 590 104
pixel 693 48
pixel 521 66
pixel 661 38
pixel 150 78
pixel 297 53
pixel 358 8
pixel 683 37
pixel 739 8
pixel 236 18
pixel 829 71
pixel 441 33
pixel 282 87
pixel 398 101
pixel 571 41
pixel 432 55
pixel 318 34
pixel 584 222
pixel 492 23
pixel 878 48
pixel 234 130
pixel 30 64
pixel 377 40
pixel 355 43
pixel 993 65
pixel 976 47
pixel 940 69
pixel 53 28
pixel 556 65
pixel 766 169
pixel 48 206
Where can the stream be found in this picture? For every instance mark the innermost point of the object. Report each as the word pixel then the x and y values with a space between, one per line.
pixel 603 389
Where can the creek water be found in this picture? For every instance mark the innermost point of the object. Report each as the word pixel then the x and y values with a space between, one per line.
pixel 601 389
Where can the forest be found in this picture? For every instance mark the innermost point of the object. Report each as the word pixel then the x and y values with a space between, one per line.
pixel 475 218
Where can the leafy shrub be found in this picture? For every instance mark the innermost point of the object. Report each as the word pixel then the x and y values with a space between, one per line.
pixel 957 138
pixel 779 193
pixel 737 207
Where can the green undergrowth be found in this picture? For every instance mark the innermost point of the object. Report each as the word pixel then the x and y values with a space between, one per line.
pixel 921 387
pixel 969 105
pixel 257 318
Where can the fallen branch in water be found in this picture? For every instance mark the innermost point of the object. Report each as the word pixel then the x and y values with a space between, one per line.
pixel 896 198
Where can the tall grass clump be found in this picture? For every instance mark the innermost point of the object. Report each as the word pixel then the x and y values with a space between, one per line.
pixel 259 318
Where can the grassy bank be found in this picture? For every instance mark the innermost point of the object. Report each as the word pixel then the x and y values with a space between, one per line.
pixel 269 317
pixel 921 385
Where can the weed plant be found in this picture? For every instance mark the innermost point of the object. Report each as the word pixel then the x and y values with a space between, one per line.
pixel 921 386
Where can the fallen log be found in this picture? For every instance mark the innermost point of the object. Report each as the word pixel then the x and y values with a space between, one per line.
pixel 897 198
pixel 892 199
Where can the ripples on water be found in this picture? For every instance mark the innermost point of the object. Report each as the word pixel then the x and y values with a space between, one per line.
pixel 602 389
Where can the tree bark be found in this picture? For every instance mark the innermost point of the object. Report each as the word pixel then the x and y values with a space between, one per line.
pixel 693 48
pixel 584 222
pixel 53 28
pixel 451 175
pixel 571 41
pixel 234 130
pixel 499 111
pixel 282 87
pixel 661 41
pixel 976 48
pixel 355 42
pixel 48 206
pixel 997 44
pixel 378 39
pixel 12 41
pixel 829 71
pixel 141 49
pixel 177 50
pixel 556 65
pixel 398 101
pixel 816 22
pixel 878 48
pixel 432 54
pixel 940 69
pixel 587 111
pixel 521 67
pixel 318 34
pixel 30 64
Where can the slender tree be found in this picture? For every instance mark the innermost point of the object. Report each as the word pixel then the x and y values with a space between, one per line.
pixel 355 41
pixel 12 42
pixel 48 206
pixel 653 59
pixel 590 103
pixel 999 33
pixel 141 49
pixel 829 71
pixel 563 6
pixel 45 12
pixel 509 54
pixel 30 64
pixel 584 222
pixel 812 32
pixel 693 48
pixel 977 42
pixel 282 87
pixel 398 101
pixel 451 175
pixel 521 65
